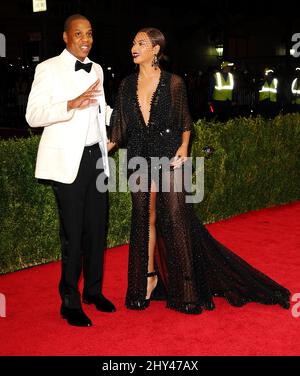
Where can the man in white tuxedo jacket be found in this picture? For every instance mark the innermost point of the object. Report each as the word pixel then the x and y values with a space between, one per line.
pixel 67 99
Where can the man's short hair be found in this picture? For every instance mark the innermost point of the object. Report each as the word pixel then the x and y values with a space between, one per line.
pixel 71 18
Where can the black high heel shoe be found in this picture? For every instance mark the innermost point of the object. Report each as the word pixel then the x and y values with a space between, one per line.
pixel 209 305
pixel 150 274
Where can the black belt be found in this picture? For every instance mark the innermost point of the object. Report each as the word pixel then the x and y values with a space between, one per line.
pixel 92 147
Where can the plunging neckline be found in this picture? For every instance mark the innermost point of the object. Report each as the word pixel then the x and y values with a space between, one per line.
pixel 151 100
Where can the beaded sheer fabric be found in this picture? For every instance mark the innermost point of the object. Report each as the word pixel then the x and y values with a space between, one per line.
pixel 193 267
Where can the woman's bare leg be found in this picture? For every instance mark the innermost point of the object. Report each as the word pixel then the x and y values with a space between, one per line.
pixel 151 281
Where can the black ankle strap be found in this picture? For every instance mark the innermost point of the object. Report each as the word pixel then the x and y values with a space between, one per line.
pixel 151 274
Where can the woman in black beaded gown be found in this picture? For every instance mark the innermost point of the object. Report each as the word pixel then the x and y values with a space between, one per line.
pixel 172 256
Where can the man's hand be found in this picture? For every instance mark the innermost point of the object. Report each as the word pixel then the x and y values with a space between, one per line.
pixel 87 98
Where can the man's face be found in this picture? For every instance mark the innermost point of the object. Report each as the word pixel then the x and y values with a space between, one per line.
pixel 79 38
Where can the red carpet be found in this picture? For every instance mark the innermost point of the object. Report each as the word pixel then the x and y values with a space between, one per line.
pixel 268 239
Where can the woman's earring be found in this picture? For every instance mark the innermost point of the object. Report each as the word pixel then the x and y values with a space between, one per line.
pixel 155 61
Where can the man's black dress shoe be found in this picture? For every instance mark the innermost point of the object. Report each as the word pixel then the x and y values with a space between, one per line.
pixel 101 303
pixel 75 316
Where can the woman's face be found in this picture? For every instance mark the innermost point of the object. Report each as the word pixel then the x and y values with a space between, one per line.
pixel 142 50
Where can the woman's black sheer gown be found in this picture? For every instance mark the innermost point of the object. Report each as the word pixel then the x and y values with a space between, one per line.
pixel 192 266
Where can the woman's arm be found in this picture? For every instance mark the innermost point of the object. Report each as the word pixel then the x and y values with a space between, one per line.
pixel 117 130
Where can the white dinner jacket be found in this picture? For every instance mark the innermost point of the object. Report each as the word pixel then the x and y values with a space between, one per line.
pixel 65 132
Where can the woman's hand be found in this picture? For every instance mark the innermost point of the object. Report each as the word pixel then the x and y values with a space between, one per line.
pixel 110 145
pixel 180 156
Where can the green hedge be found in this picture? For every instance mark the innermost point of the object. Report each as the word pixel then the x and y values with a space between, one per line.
pixel 255 164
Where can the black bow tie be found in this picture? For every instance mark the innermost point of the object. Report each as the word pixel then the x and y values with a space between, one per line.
pixel 79 65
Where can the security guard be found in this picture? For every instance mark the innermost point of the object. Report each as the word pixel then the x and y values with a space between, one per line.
pixel 268 90
pixel 295 91
pixel 221 91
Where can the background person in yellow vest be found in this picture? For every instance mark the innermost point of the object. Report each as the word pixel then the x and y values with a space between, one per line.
pixel 295 91
pixel 268 94
pixel 221 91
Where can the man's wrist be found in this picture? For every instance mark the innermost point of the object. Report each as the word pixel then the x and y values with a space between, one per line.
pixel 69 106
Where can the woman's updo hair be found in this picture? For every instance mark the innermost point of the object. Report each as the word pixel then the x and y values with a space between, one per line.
pixel 157 38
